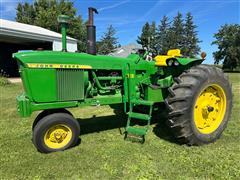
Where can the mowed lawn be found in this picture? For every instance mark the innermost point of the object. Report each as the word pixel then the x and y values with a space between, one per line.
pixel 103 154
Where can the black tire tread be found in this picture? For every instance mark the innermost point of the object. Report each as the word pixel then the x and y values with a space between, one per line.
pixel 47 122
pixel 179 106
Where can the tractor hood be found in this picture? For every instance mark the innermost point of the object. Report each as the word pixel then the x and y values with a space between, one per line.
pixel 62 59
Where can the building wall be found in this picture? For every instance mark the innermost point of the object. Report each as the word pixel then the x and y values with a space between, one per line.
pixel 71 47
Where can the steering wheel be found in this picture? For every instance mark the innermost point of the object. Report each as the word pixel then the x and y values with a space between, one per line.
pixel 148 56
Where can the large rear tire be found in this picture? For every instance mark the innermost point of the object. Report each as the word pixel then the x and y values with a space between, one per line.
pixel 56 132
pixel 200 104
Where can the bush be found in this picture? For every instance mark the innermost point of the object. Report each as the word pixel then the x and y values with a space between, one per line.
pixel 4 81
pixel 3 78
pixel 235 70
pixel 218 65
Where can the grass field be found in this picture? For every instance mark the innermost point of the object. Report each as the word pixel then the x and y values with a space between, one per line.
pixel 103 154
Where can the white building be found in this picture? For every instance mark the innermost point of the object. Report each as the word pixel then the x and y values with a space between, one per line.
pixel 16 36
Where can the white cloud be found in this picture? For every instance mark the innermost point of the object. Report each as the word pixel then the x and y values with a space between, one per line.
pixel 155 7
pixel 113 6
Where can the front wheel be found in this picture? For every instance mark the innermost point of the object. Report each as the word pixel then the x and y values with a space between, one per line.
pixel 55 132
pixel 200 104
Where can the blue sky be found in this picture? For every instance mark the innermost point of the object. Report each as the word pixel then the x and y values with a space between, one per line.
pixel 128 16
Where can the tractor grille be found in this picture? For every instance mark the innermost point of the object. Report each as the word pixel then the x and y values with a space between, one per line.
pixel 70 84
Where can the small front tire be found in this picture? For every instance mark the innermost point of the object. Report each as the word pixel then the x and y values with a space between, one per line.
pixel 56 132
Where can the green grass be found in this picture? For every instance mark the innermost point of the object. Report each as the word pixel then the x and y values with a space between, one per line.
pixel 103 154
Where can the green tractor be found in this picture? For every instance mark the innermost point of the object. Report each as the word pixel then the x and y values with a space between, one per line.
pixel 198 97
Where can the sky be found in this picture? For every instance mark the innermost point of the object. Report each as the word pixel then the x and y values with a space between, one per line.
pixel 128 16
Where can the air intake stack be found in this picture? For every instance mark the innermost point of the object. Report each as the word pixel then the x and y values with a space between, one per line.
pixel 64 21
pixel 91 32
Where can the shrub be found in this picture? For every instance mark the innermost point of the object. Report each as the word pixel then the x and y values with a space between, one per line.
pixel 3 78
pixel 4 81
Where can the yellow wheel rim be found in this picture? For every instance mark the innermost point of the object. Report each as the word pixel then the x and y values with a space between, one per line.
pixel 209 109
pixel 58 136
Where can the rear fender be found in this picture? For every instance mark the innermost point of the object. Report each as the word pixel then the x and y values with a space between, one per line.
pixel 189 61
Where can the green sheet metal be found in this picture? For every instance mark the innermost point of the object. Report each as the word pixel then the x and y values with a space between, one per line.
pixel 185 61
pixel 53 78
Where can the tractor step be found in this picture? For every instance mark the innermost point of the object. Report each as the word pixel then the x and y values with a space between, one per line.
pixel 134 138
pixel 139 116
pixel 136 131
pixel 142 102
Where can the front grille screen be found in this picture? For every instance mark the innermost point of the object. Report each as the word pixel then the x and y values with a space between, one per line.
pixel 70 84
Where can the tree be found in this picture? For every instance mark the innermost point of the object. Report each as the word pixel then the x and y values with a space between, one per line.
pixel 176 33
pixel 190 47
pixel 163 44
pixel 44 13
pixel 143 39
pixel 148 37
pixel 153 39
pixel 25 13
pixel 228 42
pixel 78 31
pixel 108 42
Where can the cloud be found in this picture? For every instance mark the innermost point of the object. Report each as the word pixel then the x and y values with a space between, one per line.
pixel 113 6
pixel 200 11
pixel 125 20
pixel 151 10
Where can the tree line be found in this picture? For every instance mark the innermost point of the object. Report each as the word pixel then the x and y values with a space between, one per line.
pixel 180 33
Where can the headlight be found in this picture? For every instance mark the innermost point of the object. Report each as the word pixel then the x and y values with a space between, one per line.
pixel 176 63
pixel 173 62
pixel 170 62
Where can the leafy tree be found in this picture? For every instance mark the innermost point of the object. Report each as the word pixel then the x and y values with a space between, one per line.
pixel 228 42
pixel 48 11
pixel 25 13
pixel 190 47
pixel 163 44
pixel 44 13
pixel 78 31
pixel 108 42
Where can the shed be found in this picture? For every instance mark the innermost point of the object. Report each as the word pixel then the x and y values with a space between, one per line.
pixel 16 36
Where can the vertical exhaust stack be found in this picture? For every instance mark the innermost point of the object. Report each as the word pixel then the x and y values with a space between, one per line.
pixel 63 20
pixel 91 32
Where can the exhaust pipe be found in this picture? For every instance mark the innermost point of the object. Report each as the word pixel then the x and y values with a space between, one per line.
pixel 91 32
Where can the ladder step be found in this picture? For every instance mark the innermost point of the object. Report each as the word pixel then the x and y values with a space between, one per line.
pixel 139 116
pixel 137 131
pixel 143 102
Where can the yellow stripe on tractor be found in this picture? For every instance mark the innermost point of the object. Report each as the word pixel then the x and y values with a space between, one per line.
pixel 58 66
